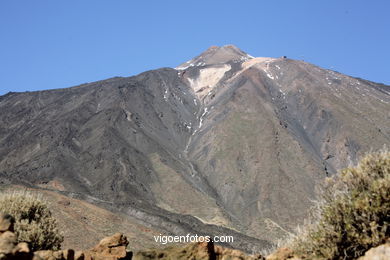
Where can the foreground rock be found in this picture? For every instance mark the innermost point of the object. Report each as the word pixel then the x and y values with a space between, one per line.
pixel 9 247
pixel 198 251
pixel 114 248
pixel 68 254
pixel 109 248
pixel 381 252
pixel 6 223
pixel 285 253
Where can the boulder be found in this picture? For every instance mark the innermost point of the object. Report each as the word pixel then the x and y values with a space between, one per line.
pixel 109 248
pixel 67 254
pixel 7 242
pixel 198 251
pixel 224 253
pixel 6 223
pixel 381 252
pixel 283 253
pixel 10 249
pixel 79 255
pixel 114 241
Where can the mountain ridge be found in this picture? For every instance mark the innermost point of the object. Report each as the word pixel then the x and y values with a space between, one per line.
pixel 237 144
pixel 216 55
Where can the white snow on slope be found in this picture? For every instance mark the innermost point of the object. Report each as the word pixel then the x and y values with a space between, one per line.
pixel 208 79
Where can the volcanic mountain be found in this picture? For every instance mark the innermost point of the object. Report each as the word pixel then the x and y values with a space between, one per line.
pixel 223 144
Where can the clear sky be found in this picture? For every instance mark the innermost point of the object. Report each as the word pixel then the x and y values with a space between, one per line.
pixel 62 43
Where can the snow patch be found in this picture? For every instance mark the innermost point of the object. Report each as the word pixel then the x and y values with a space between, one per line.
pixel 202 117
pixel 208 79
pixel 128 115
pixel 266 69
pixel 269 75
pixel 283 93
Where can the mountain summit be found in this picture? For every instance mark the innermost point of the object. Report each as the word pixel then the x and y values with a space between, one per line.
pixel 217 55
pixel 225 144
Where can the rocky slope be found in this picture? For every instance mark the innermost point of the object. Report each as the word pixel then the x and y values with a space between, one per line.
pixel 83 224
pixel 224 144
pixel 110 248
pixel 114 248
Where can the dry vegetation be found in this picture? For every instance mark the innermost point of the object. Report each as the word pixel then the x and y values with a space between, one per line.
pixel 354 213
pixel 34 223
pixel 83 224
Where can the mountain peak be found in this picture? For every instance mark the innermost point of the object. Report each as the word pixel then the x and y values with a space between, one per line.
pixel 217 55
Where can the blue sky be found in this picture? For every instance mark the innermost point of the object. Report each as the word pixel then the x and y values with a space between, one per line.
pixel 56 44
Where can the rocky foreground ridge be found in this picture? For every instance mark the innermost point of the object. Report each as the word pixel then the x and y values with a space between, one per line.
pixel 243 140
pixel 114 248
pixel 109 248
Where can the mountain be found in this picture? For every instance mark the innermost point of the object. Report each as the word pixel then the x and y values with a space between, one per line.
pixel 223 144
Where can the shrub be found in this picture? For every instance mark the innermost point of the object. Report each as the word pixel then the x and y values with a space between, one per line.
pixel 354 212
pixel 34 223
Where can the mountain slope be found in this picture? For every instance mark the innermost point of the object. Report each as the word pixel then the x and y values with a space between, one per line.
pixel 276 127
pixel 223 144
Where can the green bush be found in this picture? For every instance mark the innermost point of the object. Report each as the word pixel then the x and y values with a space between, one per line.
pixel 354 212
pixel 34 223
